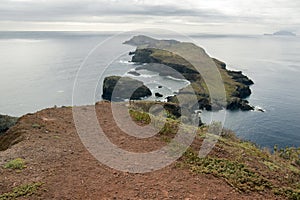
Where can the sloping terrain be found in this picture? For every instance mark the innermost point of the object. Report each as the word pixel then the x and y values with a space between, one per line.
pixel 42 157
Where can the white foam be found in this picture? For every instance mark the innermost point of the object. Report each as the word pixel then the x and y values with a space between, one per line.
pixel 177 79
pixel 126 62
pixel 258 108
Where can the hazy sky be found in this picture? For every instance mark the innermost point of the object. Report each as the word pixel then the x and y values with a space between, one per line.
pixel 209 16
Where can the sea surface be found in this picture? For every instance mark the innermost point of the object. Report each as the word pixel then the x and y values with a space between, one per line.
pixel 41 69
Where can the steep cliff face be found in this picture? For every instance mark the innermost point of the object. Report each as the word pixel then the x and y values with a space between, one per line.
pixel 236 84
pixel 118 88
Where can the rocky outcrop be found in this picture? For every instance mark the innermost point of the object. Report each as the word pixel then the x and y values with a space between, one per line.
pixel 6 122
pixel 116 88
pixel 134 73
pixel 166 63
pixel 237 103
pixel 238 76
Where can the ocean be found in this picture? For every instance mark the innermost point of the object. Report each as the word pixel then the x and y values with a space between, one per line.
pixel 38 70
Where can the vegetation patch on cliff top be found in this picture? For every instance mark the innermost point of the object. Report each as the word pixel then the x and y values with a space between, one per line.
pixel 17 163
pixel 21 191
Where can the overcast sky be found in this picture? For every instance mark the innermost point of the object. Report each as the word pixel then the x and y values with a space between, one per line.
pixel 199 16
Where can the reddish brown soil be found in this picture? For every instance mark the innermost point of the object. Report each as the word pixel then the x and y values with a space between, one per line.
pixel 55 156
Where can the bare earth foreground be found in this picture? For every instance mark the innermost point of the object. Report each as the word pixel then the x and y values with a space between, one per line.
pixel 55 157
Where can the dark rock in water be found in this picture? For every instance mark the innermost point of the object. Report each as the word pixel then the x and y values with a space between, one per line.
pixel 6 122
pixel 259 109
pixel 204 104
pixel 116 88
pixel 131 53
pixel 134 73
pixel 158 95
pixel 237 103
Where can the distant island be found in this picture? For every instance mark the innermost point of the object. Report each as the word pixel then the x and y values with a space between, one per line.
pixel 282 33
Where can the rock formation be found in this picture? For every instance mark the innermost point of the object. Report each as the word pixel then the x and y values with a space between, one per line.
pixel 116 88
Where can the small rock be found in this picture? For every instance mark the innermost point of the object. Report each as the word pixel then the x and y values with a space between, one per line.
pixel 158 95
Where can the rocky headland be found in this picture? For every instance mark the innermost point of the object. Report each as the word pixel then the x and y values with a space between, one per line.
pixel 154 58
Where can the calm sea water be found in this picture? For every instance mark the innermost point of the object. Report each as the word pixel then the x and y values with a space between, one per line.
pixel 38 70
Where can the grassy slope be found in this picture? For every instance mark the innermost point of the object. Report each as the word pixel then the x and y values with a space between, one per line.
pixel 242 164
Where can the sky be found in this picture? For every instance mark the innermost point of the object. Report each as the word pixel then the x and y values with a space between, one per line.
pixel 186 16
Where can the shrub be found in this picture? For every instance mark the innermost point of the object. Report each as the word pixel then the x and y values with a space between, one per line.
pixel 18 163
pixel 21 191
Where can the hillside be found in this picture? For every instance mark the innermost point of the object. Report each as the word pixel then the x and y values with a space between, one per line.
pixel 42 157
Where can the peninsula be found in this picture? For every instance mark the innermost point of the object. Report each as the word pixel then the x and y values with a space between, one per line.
pixel 151 53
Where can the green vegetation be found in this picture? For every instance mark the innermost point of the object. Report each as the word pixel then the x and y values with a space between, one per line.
pixel 140 116
pixel 143 118
pixel 36 126
pixel 236 174
pixel 248 168
pixel 288 192
pixel 291 154
pixel 17 163
pixel 21 191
